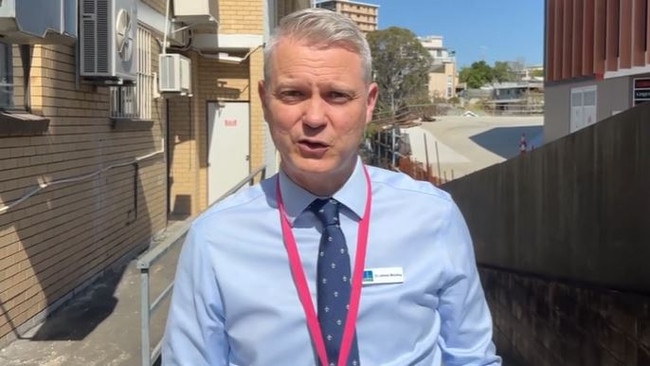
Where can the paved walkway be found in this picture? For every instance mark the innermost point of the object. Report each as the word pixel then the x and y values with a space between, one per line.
pixel 102 326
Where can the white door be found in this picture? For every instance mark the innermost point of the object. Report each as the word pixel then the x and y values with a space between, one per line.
pixel 228 146
pixel 583 107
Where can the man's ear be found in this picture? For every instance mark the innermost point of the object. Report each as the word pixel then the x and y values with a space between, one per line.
pixel 262 92
pixel 373 93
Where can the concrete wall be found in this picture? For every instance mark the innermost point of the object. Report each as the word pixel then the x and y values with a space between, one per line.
pixel 573 215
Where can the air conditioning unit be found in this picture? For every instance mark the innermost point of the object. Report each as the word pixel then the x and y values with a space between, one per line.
pixel 196 11
pixel 108 41
pixel 175 74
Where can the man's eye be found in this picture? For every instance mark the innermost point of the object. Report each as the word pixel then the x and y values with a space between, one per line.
pixel 338 97
pixel 290 95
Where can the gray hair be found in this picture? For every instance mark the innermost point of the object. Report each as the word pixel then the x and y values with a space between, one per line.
pixel 321 27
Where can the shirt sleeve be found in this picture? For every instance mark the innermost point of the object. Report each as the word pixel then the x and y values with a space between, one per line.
pixel 194 334
pixel 466 323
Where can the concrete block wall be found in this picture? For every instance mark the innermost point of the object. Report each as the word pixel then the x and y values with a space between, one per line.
pixel 67 234
pixel 561 235
pixel 543 322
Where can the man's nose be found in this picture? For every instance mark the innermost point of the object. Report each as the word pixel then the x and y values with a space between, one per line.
pixel 314 114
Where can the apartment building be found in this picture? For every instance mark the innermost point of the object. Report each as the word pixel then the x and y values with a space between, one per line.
pixel 116 117
pixel 443 78
pixel 364 14
pixel 597 61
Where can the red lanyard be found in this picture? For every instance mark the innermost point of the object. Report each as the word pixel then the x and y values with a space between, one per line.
pixel 299 280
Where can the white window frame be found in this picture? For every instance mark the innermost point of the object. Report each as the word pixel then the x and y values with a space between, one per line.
pixel 136 101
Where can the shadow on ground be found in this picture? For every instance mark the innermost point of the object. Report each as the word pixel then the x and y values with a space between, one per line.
pixel 81 316
pixel 504 141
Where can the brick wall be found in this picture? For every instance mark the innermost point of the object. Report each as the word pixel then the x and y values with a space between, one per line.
pixel 246 16
pixel 241 16
pixel 214 81
pixel 549 323
pixel 182 156
pixel 68 233
pixel 257 116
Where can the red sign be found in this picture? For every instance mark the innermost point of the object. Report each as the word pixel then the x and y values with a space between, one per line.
pixel 230 122
pixel 642 83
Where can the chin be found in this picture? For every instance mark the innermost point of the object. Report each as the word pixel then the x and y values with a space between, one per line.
pixel 312 166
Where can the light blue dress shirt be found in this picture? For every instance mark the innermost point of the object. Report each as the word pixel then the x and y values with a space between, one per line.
pixel 235 303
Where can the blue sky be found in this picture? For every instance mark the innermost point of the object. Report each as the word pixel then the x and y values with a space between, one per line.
pixel 494 30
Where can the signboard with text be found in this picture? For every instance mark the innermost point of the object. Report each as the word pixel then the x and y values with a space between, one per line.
pixel 641 91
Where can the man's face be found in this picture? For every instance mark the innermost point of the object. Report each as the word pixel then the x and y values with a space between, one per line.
pixel 317 104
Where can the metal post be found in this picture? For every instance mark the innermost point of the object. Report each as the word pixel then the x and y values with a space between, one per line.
pixel 392 147
pixel 438 158
pixel 144 317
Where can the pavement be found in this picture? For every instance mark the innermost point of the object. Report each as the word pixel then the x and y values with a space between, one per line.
pixel 456 146
pixel 101 326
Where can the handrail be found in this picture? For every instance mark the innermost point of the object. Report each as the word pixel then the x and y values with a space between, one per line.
pixel 147 259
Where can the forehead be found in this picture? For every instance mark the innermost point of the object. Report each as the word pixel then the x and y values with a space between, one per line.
pixel 288 53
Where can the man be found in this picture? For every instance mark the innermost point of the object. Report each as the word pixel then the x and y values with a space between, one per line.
pixel 328 262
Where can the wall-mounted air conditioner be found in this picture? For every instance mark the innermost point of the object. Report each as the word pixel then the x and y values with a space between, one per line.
pixel 175 74
pixel 196 11
pixel 108 41
pixel 38 21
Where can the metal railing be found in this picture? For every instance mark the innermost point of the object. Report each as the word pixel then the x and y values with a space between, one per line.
pixel 150 257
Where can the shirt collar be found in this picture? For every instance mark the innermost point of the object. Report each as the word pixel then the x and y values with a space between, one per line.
pixel 352 195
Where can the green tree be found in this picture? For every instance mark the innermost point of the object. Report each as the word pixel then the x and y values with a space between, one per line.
pixel 480 73
pixel 477 75
pixel 502 71
pixel 537 73
pixel 401 68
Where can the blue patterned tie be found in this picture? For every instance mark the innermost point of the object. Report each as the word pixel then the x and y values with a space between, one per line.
pixel 333 276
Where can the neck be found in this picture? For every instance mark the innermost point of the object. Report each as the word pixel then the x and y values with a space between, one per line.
pixel 322 185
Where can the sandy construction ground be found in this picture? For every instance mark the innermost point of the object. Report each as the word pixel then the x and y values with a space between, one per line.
pixel 457 146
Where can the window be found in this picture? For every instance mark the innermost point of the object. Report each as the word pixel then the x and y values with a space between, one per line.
pixel 136 101
pixel 6 76
pixel 15 111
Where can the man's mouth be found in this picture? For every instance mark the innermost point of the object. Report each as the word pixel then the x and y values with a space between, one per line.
pixel 312 146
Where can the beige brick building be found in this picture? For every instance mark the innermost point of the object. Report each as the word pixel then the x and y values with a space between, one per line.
pixel 91 169
pixel 364 14
pixel 443 77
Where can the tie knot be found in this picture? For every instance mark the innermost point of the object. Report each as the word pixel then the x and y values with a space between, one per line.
pixel 327 211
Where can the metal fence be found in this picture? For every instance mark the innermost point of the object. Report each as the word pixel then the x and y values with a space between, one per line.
pixel 150 257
